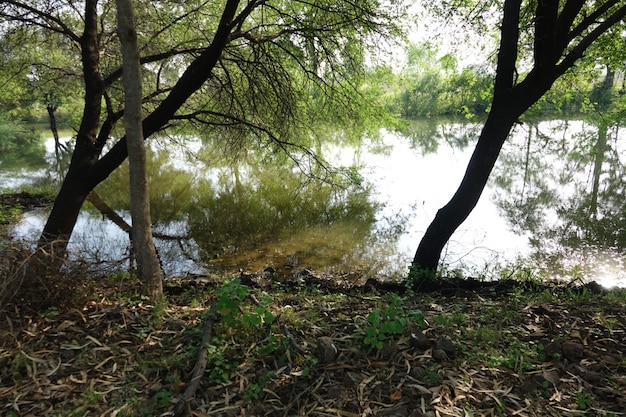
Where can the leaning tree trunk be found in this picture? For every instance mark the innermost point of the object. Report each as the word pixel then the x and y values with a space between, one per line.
pixel 62 218
pixel 505 109
pixel 510 101
pixel 561 37
pixel 453 214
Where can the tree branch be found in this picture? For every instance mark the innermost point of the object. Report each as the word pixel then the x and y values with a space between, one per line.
pixel 46 17
pixel 507 55
pixel 545 32
pixel 578 51
pixel 591 19
pixel 182 407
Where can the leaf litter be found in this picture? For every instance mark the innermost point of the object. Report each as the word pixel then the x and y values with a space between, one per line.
pixel 485 352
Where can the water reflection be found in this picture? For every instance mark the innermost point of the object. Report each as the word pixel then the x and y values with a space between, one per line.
pixel 217 214
pixel 246 213
pixel 564 183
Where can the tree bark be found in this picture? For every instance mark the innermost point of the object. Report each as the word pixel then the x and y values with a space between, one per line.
pixel 72 194
pixel 148 267
pixel 87 169
pixel 454 213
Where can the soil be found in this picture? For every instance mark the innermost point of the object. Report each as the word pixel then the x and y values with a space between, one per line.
pixel 462 348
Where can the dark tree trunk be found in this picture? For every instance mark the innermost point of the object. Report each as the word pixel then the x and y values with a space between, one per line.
pixel 87 169
pixel 553 35
pixel 67 205
pixel 554 53
pixel 493 135
pixel 453 214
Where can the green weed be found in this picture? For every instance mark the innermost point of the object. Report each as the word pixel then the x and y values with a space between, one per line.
pixel 389 321
pixel 583 399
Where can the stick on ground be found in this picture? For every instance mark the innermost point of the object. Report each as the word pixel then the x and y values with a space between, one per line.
pixel 183 407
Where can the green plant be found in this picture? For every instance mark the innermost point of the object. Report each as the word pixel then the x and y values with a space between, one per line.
pixel 253 392
pixel 159 312
pixel 164 398
pixel 427 376
pixel 583 399
pixel 389 321
pixel 221 367
pixel 517 361
pixel 9 214
pixel 417 275
pixel 545 389
pixel 119 276
pixel 270 345
pixel 51 312
pixel 452 319
pixel 230 299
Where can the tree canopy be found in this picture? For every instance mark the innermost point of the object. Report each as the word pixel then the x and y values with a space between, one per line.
pixel 265 70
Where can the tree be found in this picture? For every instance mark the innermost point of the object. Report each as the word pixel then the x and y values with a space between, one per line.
pixel 254 70
pixel 148 268
pixel 558 34
pixel 567 192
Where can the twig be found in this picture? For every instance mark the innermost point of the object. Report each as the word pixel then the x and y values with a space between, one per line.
pixel 183 408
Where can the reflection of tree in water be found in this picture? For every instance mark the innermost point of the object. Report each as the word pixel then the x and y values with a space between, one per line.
pixel 268 210
pixel 428 134
pixel 566 188
pixel 257 213
pixel 20 147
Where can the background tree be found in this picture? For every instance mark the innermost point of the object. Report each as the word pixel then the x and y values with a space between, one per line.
pixel 148 268
pixel 551 37
pixel 252 70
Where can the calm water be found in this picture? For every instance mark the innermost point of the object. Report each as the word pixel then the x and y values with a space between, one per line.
pixel 258 214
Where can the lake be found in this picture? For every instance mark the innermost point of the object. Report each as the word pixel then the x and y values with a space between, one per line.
pixel 217 214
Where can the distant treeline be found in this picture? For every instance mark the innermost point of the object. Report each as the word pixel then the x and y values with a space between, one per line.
pixel 468 93
pixel 431 85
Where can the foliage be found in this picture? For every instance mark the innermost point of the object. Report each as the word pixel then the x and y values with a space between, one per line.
pixel 430 85
pixel 237 317
pixel 390 321
pixel 20 146
pixel 583 399
pixel 230 298
pixel 9 214
pixel 418 275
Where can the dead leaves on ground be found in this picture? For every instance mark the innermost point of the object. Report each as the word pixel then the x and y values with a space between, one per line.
pixel 476 357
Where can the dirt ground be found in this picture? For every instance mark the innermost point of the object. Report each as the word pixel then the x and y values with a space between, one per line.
pixel 457 350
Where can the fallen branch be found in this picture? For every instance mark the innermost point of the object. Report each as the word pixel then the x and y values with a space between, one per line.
pixel 183 408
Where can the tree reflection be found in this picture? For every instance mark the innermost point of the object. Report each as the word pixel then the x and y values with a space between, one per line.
pixel 275 214
pixel 20 148
pixel 428 134
pixel 568 193
pixel 258 211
